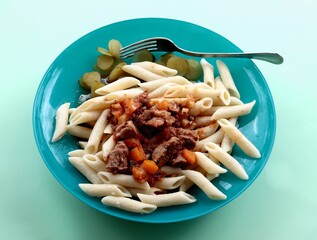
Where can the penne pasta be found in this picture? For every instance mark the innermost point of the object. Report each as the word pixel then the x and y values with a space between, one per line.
pixel 225 96
pixel 204 132
pixel 207 164
pixel 101 190
pixel 120 84
pixel 170 182
pixel 96 103
pixel 76 153
pixel 159 92
pixel 141 73
pixel 122 179
pixel 181 101
pixel 227 160
pixel 227 143
pixel 120 95
pixel 84 169
pixel 156 68
pixel 84 117
pixel 94 162
pixel 79 131
pixel 227 79
pixel 151 191
pixel 107 147
pixel 128 204
pixel 233 111
pixel 168 199
pixel 152 85
pixel 61 122
pixel 234 133
pixel 97 133
pixel 109 129
pixel 201 106
pixel 215 138
pixel 204 184
pixel 203 121
pixel 208 72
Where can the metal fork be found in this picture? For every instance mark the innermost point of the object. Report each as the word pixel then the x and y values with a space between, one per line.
pixel 166 45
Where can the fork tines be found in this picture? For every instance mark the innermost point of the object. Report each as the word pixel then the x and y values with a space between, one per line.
pixel 129 50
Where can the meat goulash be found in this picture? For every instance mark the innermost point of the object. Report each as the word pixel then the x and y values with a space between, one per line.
pixel 151 133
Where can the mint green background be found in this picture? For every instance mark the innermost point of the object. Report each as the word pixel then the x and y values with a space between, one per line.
pixel 282 202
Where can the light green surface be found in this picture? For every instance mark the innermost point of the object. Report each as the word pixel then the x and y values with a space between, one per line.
pixel 281 204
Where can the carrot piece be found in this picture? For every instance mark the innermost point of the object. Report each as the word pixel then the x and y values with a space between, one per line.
pixel 116 111
pixel 139 174
pixel 128 105
pixel 150 166
pixel 164 105
pixel 132 142
pixel 189 156
pixel 137 154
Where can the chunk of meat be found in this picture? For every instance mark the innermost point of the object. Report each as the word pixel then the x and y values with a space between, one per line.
pixel 117 161
pixel 189 137
pixel 179 161
pixel 126 130
pixel 166 151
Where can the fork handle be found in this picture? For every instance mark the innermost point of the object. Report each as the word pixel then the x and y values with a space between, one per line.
pixel 268 57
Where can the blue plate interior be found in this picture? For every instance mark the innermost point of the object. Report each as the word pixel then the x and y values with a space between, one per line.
pixel 59 85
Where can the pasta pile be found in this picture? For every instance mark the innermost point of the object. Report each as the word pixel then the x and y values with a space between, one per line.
pixel 216 107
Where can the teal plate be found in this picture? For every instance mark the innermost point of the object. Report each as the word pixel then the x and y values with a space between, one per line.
pixel 59 85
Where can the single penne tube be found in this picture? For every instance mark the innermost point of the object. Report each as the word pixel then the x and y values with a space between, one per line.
pixel 151 86
pixel 224 96
pixel 61 122
pixel 107 147
pixel 120 84
pixel 170 182
pixel 141 73
pixel 122 179
pixel 157 68
pixel 215 138
pixel 97 132
pixel 167 199
pixel 76 153
pixel 233 111
pixel 208 72
pixel 84 117
pixel 233 102
pixel 109 129
pixel 192 90
pixel 159 92
pixel 84 169
pixel 203 121
pixel 187 184
pixel 96 103
pixel 151 191
pixel 201 106
pixel 204 184
pixel 103 189
pixel 79 131
pixel 120 95
pixel 181 101
pixel 207 164
pixel 227 143
pixel 227 79
pixel 128 204
pixel 234 133
pixel 227 160
pixel 204 132
pixel 94 162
